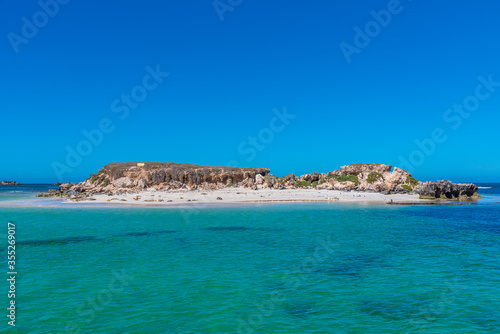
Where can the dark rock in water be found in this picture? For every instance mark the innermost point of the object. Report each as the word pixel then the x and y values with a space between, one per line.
pixel 142 234
pixel 446 190
pixel 137 234
pixel 164 232
pixel 61 241
pixel 228 228
pixel 489 320
pixel 182 241
pixel 266 229
pixel 276 286
pixel 366 260
pixel 343 269
pixel 388 310
pixel 299 310
pixel 353 265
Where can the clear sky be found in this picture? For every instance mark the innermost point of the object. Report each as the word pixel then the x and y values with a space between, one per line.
pixel 296 86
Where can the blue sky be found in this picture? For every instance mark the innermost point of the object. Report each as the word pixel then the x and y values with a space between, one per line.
pixel 102 68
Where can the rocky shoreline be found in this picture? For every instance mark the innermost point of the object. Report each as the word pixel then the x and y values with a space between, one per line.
pixel 132 177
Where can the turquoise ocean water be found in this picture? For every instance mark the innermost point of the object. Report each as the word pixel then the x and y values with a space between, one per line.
pixel 287 268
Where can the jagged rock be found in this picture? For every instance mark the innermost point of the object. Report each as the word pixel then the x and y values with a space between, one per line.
pixel 446 190
pixel 315 177
pixel 247 183
pixel 310 177
pixel 291 183
pixel 398 176
pixel 348 185
pixel 278 185
pixel 259 179
pixel 270 181
pixel 157 177
pixel 175 175
pixel 142 183
pixel 123 182
pixel 64 187
pixel 324 185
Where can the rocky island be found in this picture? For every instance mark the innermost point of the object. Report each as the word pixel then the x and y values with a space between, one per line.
pixel 364 181
pixel 9 183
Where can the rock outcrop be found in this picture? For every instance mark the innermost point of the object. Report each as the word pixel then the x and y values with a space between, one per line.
pixel 132 177
pixel 9 183
pixel 370 177
pixel 446 190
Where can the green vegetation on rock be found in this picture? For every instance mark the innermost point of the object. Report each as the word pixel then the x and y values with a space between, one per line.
pixel 412 181
pixel 303 184
pixel 373 176
pixel 346 178
pixel 99 177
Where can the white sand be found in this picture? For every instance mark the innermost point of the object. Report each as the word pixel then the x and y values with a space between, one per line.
pixel 244 195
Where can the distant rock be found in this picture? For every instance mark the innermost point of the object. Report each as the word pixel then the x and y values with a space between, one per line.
pixel 9 183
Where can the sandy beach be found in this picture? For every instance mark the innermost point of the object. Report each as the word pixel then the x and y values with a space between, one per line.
pixel 242 195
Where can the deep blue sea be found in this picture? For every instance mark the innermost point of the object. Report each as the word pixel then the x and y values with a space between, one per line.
pixel 487 189
pixel 280 268
pixel 24 191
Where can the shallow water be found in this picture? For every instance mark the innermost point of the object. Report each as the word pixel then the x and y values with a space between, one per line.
pixel 282 268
